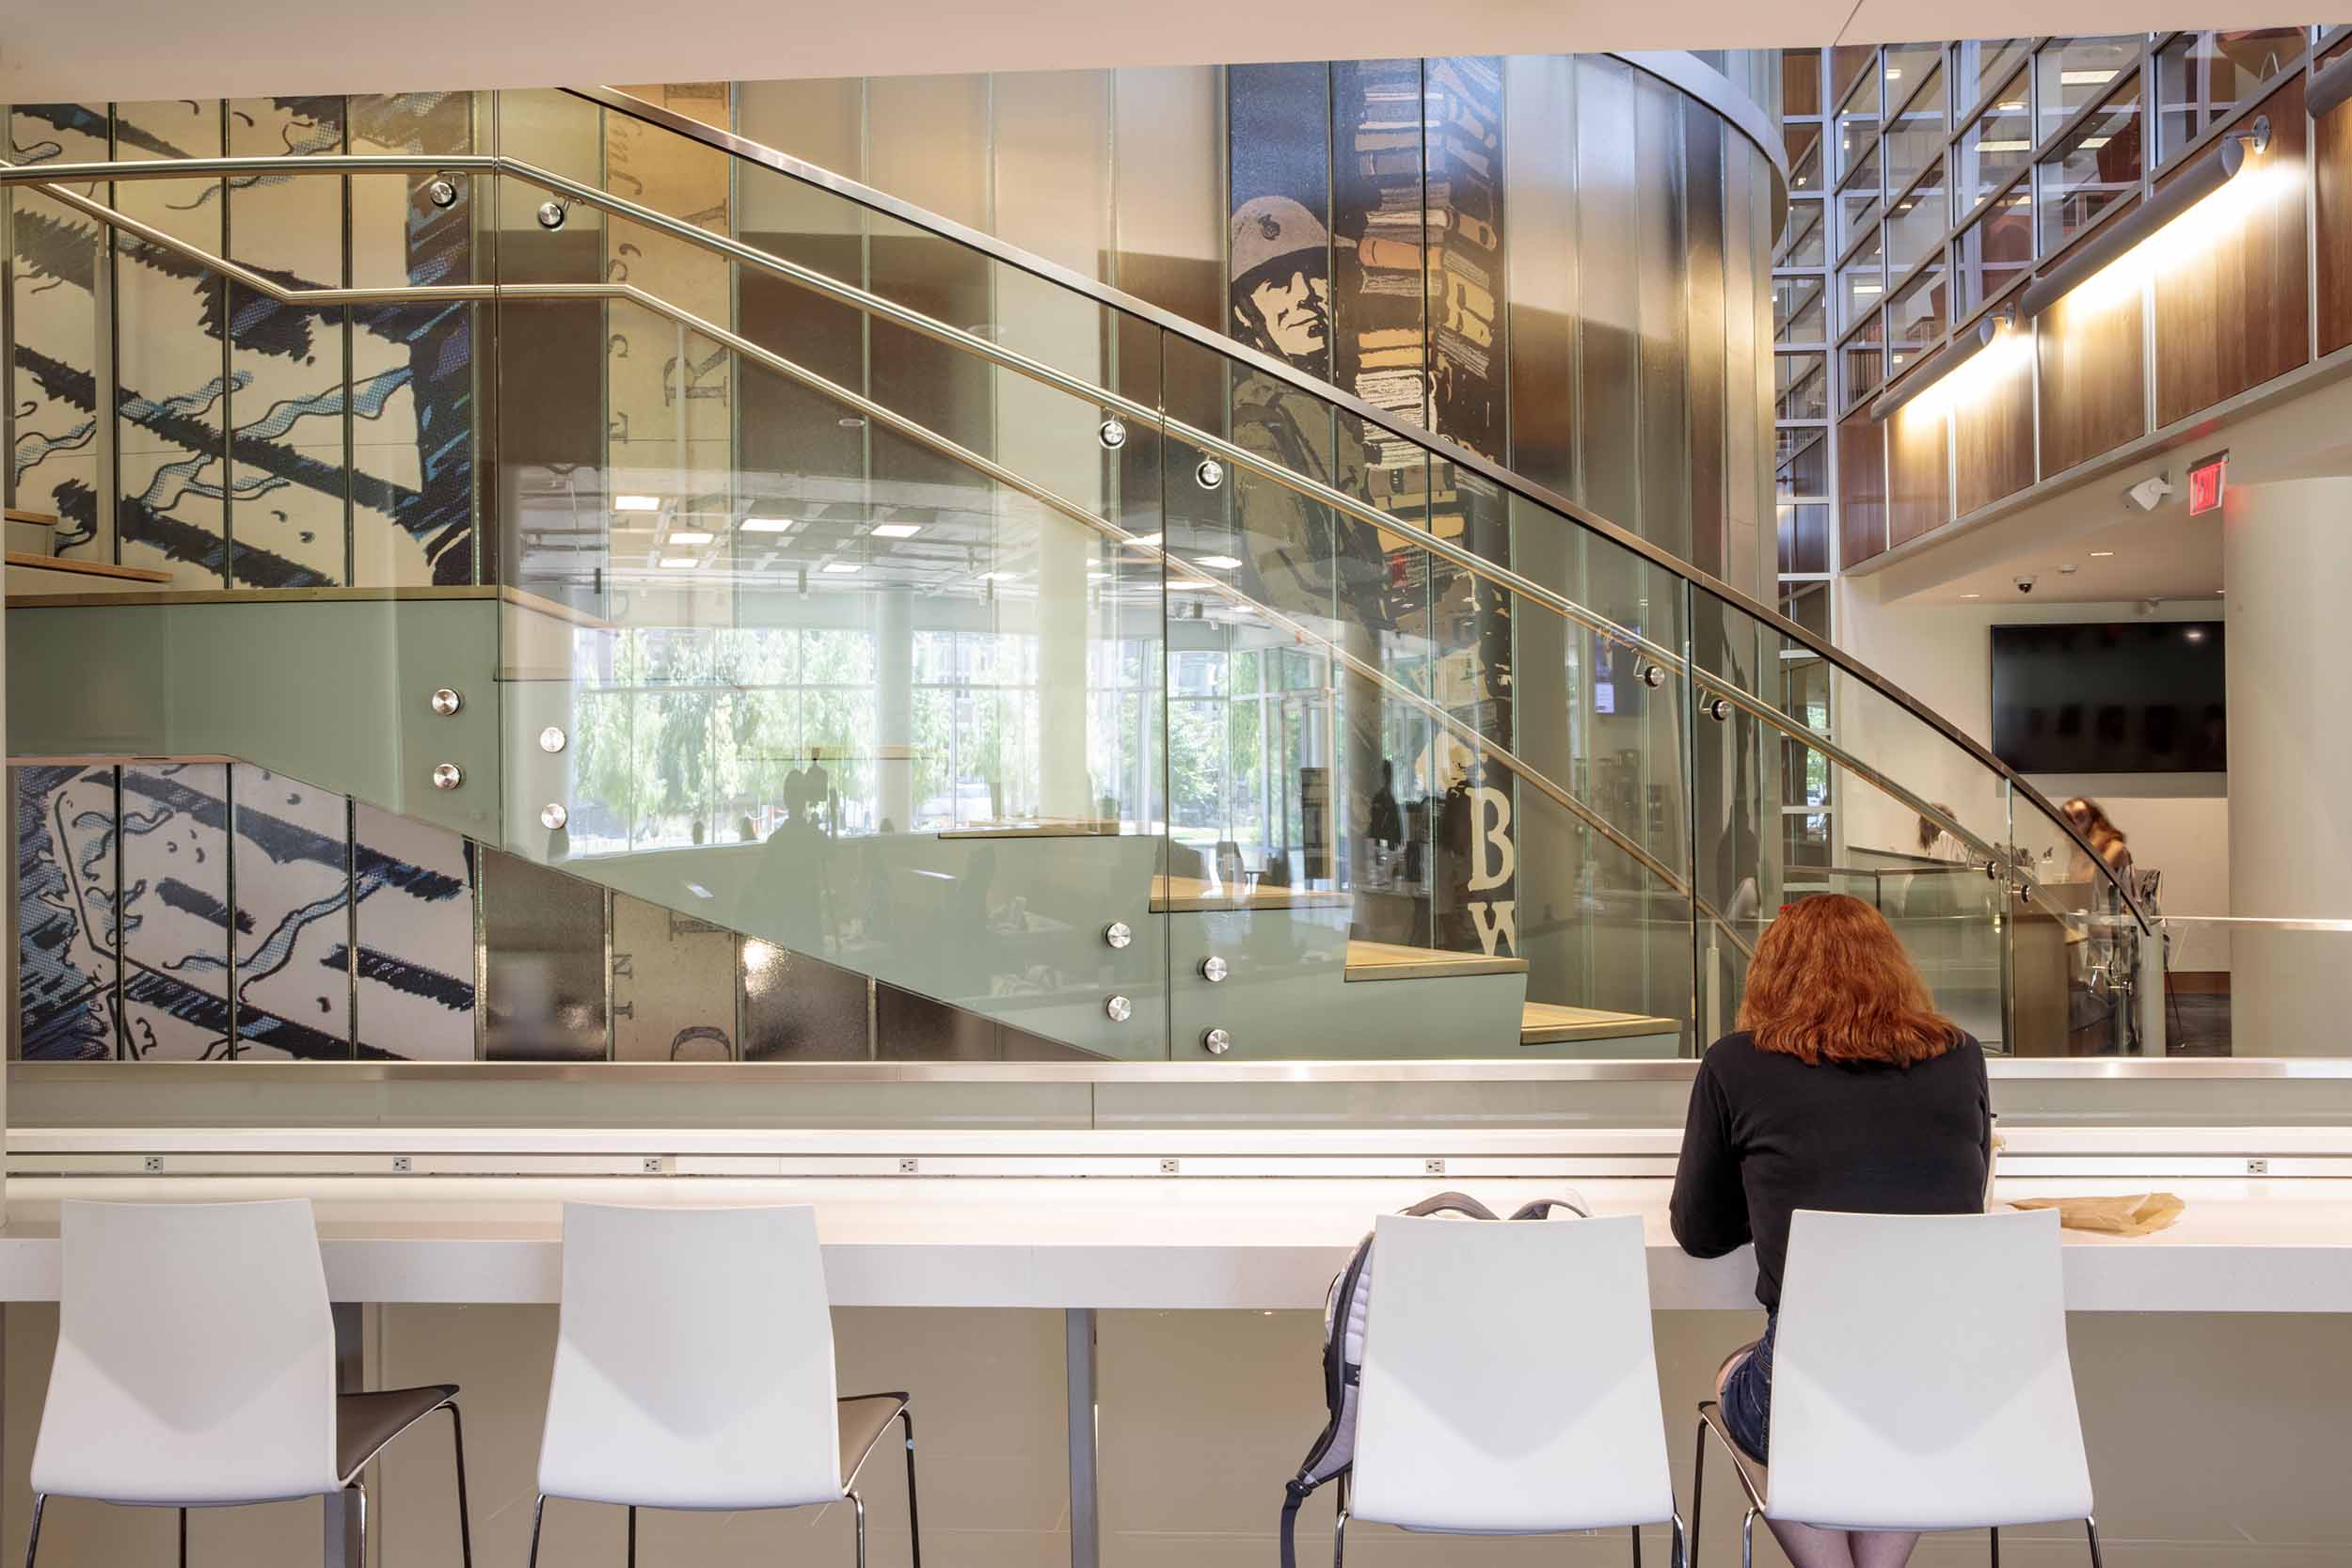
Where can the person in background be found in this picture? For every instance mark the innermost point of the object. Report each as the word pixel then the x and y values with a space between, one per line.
pixel 1936 841
pixel 2088 818
pixel 1842 1089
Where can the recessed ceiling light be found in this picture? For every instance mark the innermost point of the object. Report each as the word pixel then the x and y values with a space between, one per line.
pixel 842 569
pixel 1894 74
pixel 680 563
pixel 689 536
pixel 2101 555
pixel 2084 78
pixel 766 525
pixel 1972 596
pixel 1218 563
pixel 2011 106
pixel 637 503
pixel 896 530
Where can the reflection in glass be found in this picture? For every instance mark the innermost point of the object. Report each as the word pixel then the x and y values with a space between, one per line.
pixel 2201 77
pixel 2095 169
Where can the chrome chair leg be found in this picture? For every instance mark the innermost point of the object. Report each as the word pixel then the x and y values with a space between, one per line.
pixel 859 1503
pixel 538 1516
pixel 359 1496
pixel 32 1543
pixel 915 1522
pixel 2091 1528
pixel 1680 1556
pixel 1339 1541
pixel 1747 1541
pixel 1698 1490
pixel 457 1455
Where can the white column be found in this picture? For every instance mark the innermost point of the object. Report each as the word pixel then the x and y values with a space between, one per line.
pixel 2287 569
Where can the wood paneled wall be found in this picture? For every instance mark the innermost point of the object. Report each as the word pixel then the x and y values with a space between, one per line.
pixel 1861 488
pixel 2233 295
pixel 1993 428
pixel 1918 470
pixel 2331 181
pixel 2091 353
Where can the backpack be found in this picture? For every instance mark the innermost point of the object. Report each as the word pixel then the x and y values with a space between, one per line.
pixel 1345 1310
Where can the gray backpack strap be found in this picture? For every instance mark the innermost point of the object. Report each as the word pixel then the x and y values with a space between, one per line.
pixel 1541 1208
pixel 1450 1203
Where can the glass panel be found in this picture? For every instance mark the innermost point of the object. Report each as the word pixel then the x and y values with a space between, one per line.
pixel 1983 63
pixel 1905 66
pixel 1803 538
pixel 1997 145
pixel 1865 358
pixel 1915 318
pixel 1914 137
pixel 1797 316
pixel 1800 82
pixel 1805 158
pixel 2201 77
pixel 1996 249
pixel 1915 224
pixel 1808 604
pixel 1858 199
pixel 1857 124
pixel 1801 386
pixel 2096 167
pixel 1805 473
pixel 2087 976
pixel 1805 244
pixel 1861 283
pixel 2076 72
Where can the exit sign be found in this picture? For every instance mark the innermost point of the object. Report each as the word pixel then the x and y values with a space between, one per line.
pixel 2205 478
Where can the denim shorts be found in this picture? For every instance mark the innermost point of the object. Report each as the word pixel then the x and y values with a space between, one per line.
pixel 1747 1396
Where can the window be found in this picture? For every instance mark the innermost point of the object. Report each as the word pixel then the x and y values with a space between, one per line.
pixel 1858 124
pixel 1805 157
pixel 1864 358
pixel 1996 249
pixel 1996 146
pixel 1805 543
pixel 1803 474
pixel 2201 76
pixel 1801 386
pixel 1915 318
pixel 1913 140
pixel 1981 64
pixel 1861 281
pixel 2076 72
pixel 1797 316
pixel 2097 167
pixel 1858 200
pixel 1800 82
pixel 1806 244
pixel 1907 66
pixel 1917 222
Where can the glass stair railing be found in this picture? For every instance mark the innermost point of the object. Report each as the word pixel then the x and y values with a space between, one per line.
pixel 873 590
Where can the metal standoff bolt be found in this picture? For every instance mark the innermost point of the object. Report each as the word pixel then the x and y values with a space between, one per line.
pixel 1118 933
pixel 1717 708
pixel 441 193
pixel 553 815
pixel 1210 474
pixel 1212 969
pixel 1113 434
pixel 448 775
pixel 552 215
pixel 448 700
pixel 1119 1009
pixel 551 740
pixel 1653 675
pixel 1216 1042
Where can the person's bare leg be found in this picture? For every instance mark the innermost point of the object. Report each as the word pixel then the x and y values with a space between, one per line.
pixel 1882 1549
pixel 1806 1547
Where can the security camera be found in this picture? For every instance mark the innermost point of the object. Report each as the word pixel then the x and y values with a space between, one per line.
pixel 2025 585
pixel 2149 493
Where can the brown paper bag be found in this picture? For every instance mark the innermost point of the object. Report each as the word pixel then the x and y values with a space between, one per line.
pixel 2135 1214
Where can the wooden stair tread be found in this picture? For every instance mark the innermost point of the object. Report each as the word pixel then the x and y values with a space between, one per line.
pixel 1196 894
pixel 1550 1024
pixel 18 515
pixel 83 568
pixel 1387 960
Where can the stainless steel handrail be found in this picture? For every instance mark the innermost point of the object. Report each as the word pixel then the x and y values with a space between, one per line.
pixel 50 180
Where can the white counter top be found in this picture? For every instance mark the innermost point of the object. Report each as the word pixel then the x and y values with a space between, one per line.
pixel 1191 1242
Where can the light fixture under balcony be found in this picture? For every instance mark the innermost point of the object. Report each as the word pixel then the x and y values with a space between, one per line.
pixel 2114 241
pixel 841 568
pixel 690 536
pixel 680 563
pixel 766 525
pixel 1943 362
pixel 896 530
pixel 637 503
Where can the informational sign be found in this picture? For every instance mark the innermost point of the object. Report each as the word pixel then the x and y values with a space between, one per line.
pixel 2206 477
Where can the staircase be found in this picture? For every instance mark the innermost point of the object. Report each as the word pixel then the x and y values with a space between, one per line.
pixel 1152 714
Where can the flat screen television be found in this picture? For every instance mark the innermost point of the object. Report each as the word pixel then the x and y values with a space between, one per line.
pixel 2110 697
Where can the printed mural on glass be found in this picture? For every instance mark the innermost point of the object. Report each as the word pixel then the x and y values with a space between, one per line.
pixel 66 837
pixel 326 446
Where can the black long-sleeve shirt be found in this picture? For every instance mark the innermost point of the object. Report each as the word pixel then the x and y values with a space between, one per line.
pixel 1769 1135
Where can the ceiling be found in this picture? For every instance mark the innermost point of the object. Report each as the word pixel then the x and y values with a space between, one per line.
pixel 2165 554
pixel 127 50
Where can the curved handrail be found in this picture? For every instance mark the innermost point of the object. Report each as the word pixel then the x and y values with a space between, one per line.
pixel 50 180
pixel 1116 299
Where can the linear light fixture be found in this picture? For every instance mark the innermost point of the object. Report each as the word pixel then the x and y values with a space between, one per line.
pixel 766 525
pixel 896 530
pixel 2331 87
pixel 1936 366
pixel 637 503
pixel 690 536
pixel 2200 180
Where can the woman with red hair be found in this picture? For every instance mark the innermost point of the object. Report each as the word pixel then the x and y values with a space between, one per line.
pixel 1843 1088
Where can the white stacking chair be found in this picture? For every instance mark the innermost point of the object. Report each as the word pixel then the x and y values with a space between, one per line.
pixel 694 1369
pixel 196 1367
pixel 1920 1381
pixel 1510 1382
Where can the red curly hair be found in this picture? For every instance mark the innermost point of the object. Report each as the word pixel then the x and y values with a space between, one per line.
pixel 1832 982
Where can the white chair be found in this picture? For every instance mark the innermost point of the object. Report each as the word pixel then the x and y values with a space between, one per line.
pixel 196 1367
pixel 1920 1381
pixel 1510 1382
pixel 694 1369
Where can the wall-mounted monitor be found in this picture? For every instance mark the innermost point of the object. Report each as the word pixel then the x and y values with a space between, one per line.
pixel 2110 697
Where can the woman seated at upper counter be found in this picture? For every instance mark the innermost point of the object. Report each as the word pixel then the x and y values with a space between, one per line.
pixel 1842 1089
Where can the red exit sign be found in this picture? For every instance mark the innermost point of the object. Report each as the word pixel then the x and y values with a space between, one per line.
pixel 2206 478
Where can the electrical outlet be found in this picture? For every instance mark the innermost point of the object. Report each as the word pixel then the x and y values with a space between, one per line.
pixel 1433 1167
pixel 152 1165
pixel 2258 1167
pixel 400 1165
pixel 653 1165
pixel 1170 1167
pixel 908 1167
